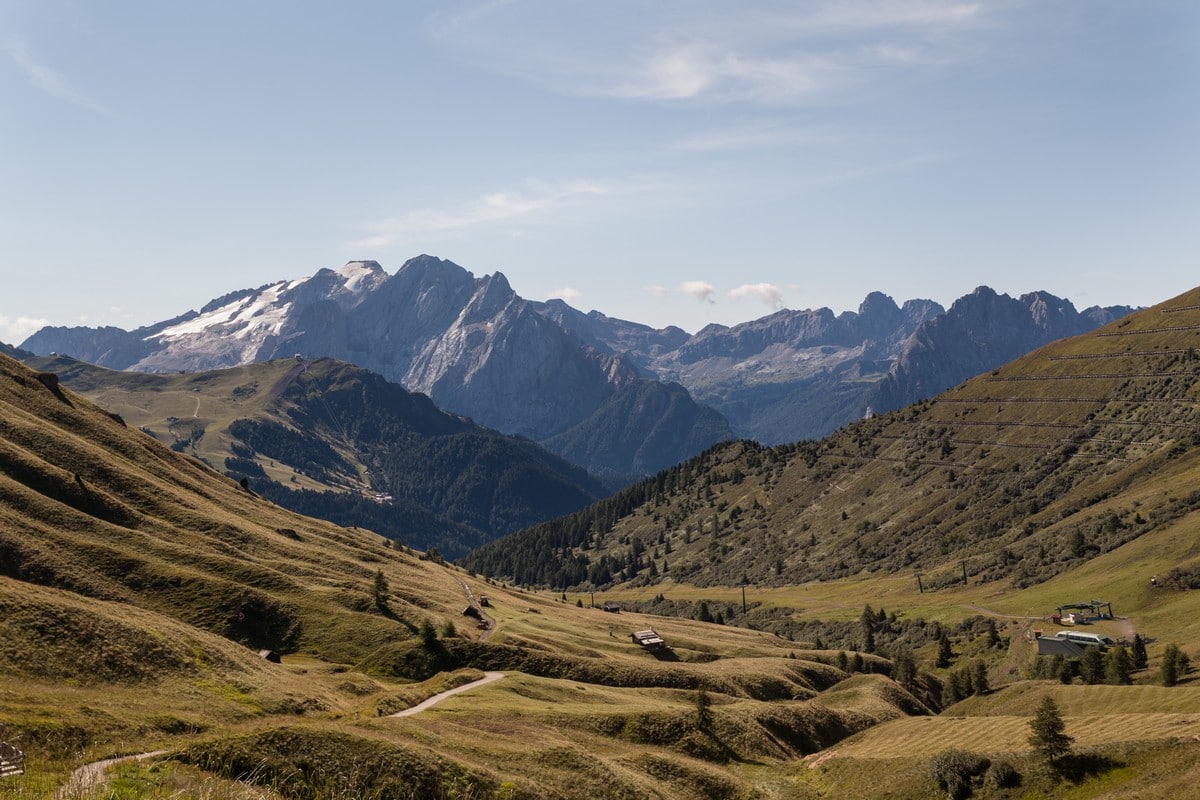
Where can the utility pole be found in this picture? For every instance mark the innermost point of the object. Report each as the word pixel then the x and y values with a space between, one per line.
pixel 964 567
pixel 919 584
pixel 743 598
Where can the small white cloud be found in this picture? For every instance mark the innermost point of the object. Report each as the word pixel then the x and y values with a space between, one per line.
pixel 14 330
pixel 701 290
pixel 657 291
pixel 49 81
pixel 567 295
pixel 768 293
pixel 501 206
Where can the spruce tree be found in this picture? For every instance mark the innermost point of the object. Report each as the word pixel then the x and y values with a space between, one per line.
pixel 1091 665
pixel 1048 732
pixel 945 655
pixel 381 591
pixel 904 667
pixel 1172 660
pixel 1140 659
pixel 1117 666
pixel 979 678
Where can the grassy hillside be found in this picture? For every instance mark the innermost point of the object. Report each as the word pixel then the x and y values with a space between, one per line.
pixel 136 586
pixel 1032 470
pixel 330 440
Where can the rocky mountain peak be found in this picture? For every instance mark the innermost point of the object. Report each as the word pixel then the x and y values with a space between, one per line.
pixel 878 304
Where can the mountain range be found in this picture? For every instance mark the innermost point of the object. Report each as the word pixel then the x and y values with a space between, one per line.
pixel 619 398
pixel 1064 454
pixel 471 344
pixel 144 596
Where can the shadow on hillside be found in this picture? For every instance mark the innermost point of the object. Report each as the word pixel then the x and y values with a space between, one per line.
pixel 664 654
pixel 1078 767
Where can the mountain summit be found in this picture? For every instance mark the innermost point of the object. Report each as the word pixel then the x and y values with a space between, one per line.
pixel 472 344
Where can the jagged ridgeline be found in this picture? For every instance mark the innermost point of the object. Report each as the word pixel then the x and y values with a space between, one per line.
pixel 330 440
pixel 1015 476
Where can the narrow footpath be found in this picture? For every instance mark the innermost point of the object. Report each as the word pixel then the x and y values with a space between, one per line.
pixel 89 776
pixel 488 677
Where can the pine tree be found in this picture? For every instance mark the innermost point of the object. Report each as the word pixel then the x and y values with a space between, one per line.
pixel 945 654
pixel 428 634
pixel 979 678
pixel 993 635
pixel 1140 659
pixel 381 592
pixel 1091 665
pixel 1117 666
pixel 1048 732
pixel 904 667
pixel 1173 665
pixel 867 621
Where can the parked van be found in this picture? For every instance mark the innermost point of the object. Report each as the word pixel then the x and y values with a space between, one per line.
pixel 1095 639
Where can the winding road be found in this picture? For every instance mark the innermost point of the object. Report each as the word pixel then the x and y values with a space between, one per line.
pixel 488 677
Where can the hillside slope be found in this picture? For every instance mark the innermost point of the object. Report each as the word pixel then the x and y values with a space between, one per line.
pixel 136 585
pixel 1017 475
pixel 334 441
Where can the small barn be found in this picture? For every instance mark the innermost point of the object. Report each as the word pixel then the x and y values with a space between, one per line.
pixel 648 639
pixel 611 607
pixel 270 655
pixel 472 611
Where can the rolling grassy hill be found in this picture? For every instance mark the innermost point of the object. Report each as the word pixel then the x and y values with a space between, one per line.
pixel 136 585
pixel 333 441
pixel 1032 470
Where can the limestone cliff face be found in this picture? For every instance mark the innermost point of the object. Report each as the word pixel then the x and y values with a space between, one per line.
pixel 980 331
pixel 557 375
pixel 794 374
pixel 471 344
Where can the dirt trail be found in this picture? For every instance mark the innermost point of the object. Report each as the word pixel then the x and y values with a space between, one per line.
pixel 488 677
pixel 483 615
pixel 91 775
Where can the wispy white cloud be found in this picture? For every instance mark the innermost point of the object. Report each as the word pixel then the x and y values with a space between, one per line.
pixel 772 54
pixel 501 206
pixel 14 330
pixel 719 72
pixel 657 291
pixel 701 290
pixel 50 81
pixel 768 293
pixel 567 295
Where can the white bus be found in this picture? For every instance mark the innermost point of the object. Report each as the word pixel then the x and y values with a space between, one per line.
pixel 1095 639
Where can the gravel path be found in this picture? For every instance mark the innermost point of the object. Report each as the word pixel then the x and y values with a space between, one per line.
pixel 89 776
pixel 488 677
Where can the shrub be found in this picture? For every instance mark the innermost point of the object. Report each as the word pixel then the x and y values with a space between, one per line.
pixel 1001 775
pixel 954 771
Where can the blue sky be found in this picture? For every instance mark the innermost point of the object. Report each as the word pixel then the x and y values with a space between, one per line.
pixel 667 162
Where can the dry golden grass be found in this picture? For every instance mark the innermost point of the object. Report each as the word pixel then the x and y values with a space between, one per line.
pixel 137 551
